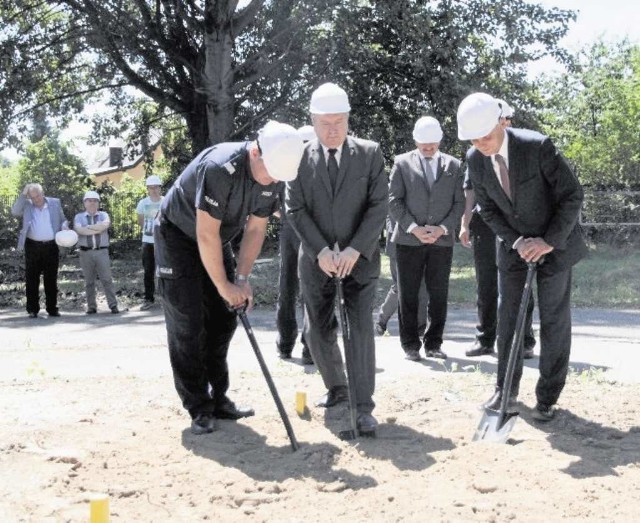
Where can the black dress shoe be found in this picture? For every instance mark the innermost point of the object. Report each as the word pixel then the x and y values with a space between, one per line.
pixel 477 349
pixel 435 353
pixel 543 412
pixel 33 315
pixel 307 359
pixel 115 310
pixel 203 424
pixel 412 355
pixel 367 425
pixel 527 354
pixel 54 314
pixel 91 310
pixel 335 395
pixel 285 354
pixel 494 401
pixel 229 410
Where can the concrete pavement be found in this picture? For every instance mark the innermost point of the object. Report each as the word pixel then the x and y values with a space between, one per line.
pixel 134 344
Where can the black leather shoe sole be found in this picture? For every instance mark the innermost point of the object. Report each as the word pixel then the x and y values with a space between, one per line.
pixel 233 413
pixel 203 424
pixel 334 397
pixel 436 353
pixel 543 413
pixel 527 354
pixel 412 355
pixel 479 351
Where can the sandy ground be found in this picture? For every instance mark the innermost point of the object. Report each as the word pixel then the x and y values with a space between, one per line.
pixel 88 405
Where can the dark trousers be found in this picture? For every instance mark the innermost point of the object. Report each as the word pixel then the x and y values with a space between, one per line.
pixel 431 264
pixel 289 290
pixel 41 258
pixel 321 327
pixel 483 240
pixel 390 304
pixel 149 266
pixel 554 304
pixel 199 325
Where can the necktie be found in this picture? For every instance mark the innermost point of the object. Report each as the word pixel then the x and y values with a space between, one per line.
pixel 332 166
pixel 428 171
pixel 95 238
pixel 504 175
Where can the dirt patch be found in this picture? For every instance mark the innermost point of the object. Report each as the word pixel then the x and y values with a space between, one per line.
pixel 65 438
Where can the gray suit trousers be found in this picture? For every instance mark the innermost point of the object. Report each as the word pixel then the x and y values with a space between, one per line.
pixel 96 264
pixel 321 330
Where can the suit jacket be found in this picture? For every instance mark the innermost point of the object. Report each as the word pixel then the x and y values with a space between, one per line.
pixel 23 207
pixel 352 215
pixel 412 201
pixel 546 200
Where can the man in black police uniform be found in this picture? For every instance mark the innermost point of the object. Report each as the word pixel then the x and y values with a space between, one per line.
pixel 225 189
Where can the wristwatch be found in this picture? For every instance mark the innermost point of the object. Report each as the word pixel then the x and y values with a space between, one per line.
pixel 240 278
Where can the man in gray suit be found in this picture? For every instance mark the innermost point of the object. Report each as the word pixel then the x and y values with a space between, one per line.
pixel 42 218
pixel 337 205
pixel 531 199
pixel 426 201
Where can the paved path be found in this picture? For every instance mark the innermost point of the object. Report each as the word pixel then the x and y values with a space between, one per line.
pixel 134 344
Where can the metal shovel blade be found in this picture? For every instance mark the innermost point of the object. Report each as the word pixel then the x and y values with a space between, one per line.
pixel 495 426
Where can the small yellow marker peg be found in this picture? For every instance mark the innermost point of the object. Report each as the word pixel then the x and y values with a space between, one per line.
pixel 99 508
pixel 301 403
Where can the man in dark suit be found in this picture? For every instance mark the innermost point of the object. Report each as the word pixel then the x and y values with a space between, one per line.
pixel 337 205
pixel 426 201
pixel 531 199
pixel 475 233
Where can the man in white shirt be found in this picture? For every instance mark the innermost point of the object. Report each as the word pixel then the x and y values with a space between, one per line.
pixel 147 210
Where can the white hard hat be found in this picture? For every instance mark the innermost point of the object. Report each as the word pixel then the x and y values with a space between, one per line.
pixel 307 133
pixel 281 146
pixel 427 130
pixel 91 194
pixel 153 180
pixel 329 99
pixel 478 114
pixel 507 110
pixel 66 238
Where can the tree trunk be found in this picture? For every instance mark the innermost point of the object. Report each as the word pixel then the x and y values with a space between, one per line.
pixel 217 75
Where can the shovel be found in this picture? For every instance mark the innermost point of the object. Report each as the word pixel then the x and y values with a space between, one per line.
pixel 496 425
pixel 241 312
pixel 351 433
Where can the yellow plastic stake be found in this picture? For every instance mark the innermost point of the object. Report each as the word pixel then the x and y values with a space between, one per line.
pixel 99 508
pixel 301 403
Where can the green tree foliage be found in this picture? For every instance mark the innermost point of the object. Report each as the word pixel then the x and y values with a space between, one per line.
pixel 593 112
pixel 405 59
pixel 61 174
pixel 220 68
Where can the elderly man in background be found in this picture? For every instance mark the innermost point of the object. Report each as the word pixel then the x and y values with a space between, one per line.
pixel 338 205
pixel 42 218
pixel 93 241
pixel 475 233
pixel 426 201
pixel 531 199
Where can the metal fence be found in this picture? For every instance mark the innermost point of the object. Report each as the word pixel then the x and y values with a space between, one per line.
pixel 602 210
pixel 124 220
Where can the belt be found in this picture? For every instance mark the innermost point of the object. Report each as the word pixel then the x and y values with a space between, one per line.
pixel 82 248
pixel 43 242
